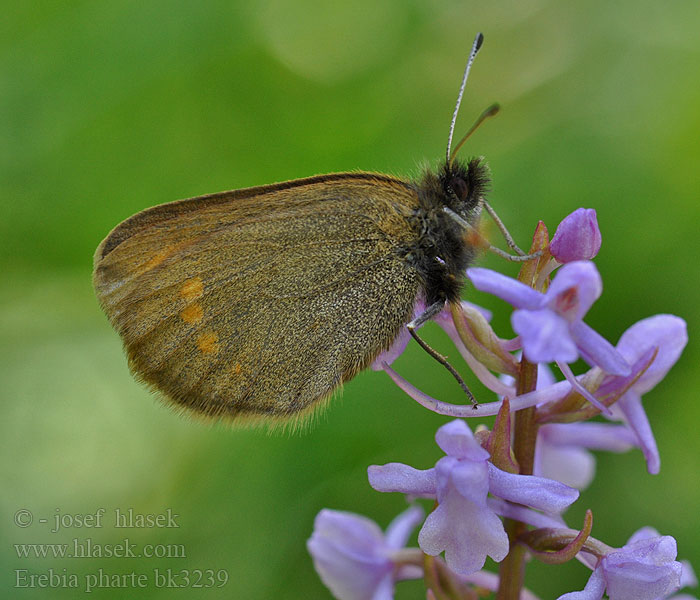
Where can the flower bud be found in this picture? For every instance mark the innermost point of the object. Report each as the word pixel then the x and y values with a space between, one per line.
pixel 577 237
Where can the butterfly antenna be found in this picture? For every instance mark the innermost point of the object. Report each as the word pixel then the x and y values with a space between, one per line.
pixel 489 112
pixel 478 40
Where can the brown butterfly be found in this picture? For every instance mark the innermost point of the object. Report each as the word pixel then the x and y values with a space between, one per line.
pixel 256 304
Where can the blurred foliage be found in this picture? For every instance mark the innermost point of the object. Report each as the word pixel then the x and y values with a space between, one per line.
pixel 110 107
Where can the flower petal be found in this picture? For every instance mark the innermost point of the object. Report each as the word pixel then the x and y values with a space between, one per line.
pixel 688 577
pixel 667 333
pixel 596 436
pixel 456 439
pixel 596 350
pixel 526 515
pixel 571 465
pixel 537 492
pixel 545 336
pixel 397 477
pixel 574 290
pixel 631 406
pixel 562 454
pixel 644 533
pixel 396 349
pixel 593 591
pixel 348 554
pixel 400 529
pixel 384 589
pixel 359 534
pixel 506 288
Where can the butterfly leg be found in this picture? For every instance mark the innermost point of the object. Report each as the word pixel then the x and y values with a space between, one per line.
pixel 426 315
pixel 520 256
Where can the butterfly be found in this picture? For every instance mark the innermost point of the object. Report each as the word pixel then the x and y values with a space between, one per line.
pixel 255 305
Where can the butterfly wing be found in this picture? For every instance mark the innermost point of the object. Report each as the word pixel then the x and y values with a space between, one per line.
pixel 256 304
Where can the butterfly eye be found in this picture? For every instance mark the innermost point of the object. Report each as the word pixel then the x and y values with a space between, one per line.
pixel 460 188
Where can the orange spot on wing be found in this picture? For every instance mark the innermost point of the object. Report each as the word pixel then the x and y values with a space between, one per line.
pixel 208 342
pixel 160 257
pixel 157 259
pixel 192 313
pixel 192 289
pixel 236 369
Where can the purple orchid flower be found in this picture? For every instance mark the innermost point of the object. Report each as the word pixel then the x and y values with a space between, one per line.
pixel 463 525
pixel 551 325
pixel 643 569
pixel 577 237
pixel 354 558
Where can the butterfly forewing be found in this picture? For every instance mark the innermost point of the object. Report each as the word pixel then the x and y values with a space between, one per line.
pixel 256 304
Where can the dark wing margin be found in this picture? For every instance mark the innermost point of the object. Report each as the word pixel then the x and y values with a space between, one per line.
pixel 254 306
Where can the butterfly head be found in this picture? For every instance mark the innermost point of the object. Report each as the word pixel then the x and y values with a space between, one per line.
pixel 464 185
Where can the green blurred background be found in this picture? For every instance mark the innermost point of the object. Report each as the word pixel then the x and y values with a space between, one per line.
pixel 107 108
